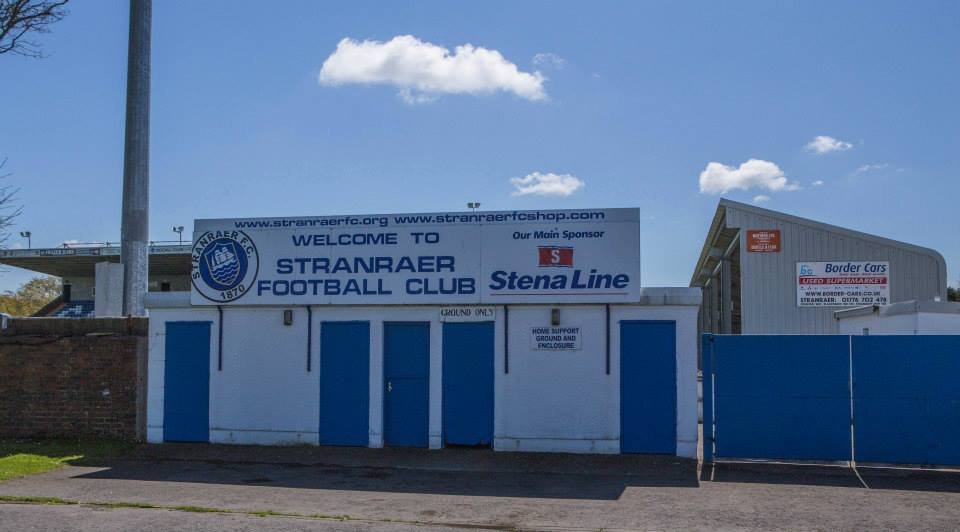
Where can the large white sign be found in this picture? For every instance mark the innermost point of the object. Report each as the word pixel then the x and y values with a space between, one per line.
pixel 589 256
pixel 843 283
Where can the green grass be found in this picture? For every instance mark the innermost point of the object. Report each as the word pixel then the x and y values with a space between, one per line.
pixel 19 458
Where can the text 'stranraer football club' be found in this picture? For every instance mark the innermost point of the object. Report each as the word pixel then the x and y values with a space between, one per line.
pixel 590 256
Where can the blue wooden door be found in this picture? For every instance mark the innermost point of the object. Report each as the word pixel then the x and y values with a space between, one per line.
pixel 406 355
pixel 648 387
pixel 468 383
pixel 344 382
pixel 186 391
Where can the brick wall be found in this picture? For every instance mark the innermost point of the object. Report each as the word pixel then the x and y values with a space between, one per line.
pixel 72 378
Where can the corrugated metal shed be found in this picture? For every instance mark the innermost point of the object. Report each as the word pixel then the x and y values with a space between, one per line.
pixel 762 287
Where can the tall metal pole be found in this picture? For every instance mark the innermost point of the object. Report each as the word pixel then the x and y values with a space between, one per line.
pixel 136 162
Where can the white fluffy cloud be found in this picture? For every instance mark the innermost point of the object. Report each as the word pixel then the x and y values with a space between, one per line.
pixel 761 198
pixel 548 184
pixel 718 178
pixel 825 144
pixel 421 69
pixel 818 183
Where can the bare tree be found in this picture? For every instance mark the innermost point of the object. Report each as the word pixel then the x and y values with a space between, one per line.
pixel 20 18
pixel 9 209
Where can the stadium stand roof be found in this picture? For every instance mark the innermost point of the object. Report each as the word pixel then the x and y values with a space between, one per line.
pixel 80 261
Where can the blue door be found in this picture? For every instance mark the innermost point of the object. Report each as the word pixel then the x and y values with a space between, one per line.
pixel 344 383
pixel 186 391
pixel 648 387
pixel 406 357
pixel 468 383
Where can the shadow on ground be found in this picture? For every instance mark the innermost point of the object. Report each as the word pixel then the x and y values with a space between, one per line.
pixel 447 472
pixel 467 483
pixel 838 476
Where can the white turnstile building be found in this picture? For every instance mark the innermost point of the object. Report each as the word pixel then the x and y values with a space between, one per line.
pixel 521 331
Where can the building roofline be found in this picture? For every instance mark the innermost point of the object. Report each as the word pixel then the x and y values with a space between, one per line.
pixel 724 203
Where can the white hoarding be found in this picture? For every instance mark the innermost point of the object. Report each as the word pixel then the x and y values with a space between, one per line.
pixel 567 256
pixel 843 283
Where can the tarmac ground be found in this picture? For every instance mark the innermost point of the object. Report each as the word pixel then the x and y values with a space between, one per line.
pixel 217 487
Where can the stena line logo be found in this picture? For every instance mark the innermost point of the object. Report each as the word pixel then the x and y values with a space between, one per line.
pixel 555 256
pixel 586 282
pixel 224 265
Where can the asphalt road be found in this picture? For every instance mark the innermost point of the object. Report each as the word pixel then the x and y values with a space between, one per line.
pixel 28 518
pixel 380 490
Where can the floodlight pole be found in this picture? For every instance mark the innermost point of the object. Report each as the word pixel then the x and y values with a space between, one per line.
pixel 134 223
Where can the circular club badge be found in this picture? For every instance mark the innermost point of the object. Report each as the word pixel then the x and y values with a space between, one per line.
pixel 225 265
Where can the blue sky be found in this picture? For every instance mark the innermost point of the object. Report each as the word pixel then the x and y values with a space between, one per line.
pixel 634 104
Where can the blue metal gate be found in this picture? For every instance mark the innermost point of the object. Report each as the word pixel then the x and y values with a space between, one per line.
pixel 468 383
pixel 648 387
pixel 186 381
pixel 344 382
pixel 406 354
pixel 906 399
pixel 886 398
pixel 779 396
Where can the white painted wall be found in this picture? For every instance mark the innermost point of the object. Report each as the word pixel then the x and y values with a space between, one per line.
pixel 156 357
pixel 938 323
pixel 557 400
pixel 687 386
pixel 108 296
pixel 263 394
pixel 549 401
pixel 910 323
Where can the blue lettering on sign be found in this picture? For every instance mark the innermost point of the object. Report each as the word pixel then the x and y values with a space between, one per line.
pixel 577 280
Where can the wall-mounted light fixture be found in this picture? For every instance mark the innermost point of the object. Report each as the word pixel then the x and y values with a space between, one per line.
pixel 288 317
pixel 554 317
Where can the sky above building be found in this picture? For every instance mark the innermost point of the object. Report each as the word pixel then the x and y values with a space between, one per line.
pixel 844 112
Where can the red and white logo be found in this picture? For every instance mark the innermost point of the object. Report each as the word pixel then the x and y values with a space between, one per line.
pixel 555 256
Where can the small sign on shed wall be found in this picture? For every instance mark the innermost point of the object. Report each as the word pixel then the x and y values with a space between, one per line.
pixel 763 241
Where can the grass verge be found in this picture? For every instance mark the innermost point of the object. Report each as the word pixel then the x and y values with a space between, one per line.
pixel 19 458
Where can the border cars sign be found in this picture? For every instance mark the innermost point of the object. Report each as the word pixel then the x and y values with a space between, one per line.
pixel 843 283
pixel 589 256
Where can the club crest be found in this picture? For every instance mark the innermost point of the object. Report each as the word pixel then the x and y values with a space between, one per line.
pixel 225 264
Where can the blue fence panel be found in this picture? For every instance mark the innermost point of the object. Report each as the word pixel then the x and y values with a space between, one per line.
pixel 906 392
pixel 782 397
pixel 706 351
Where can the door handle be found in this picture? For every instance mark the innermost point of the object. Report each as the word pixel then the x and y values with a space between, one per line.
pixel 389 386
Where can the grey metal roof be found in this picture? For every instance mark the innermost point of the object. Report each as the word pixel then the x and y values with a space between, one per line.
pixel 81 261
pixel 718 225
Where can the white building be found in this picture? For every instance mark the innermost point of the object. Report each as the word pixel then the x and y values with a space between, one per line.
pixel 907 317
pixel 523 331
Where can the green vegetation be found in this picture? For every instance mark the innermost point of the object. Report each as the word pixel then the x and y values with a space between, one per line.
pixel 19 458
pixel 31 296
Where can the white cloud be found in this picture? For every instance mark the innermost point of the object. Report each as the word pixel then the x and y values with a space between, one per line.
pixel 818 183
pixel 825 144
pixel 761 198
pixel 548 59
pixel 718 178
pixel 871 167
pixel 424 69
pixel 548 184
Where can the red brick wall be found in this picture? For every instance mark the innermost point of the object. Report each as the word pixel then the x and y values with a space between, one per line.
pixel 70 380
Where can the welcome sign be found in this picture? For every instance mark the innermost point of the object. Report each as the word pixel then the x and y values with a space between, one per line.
pixel 556 256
